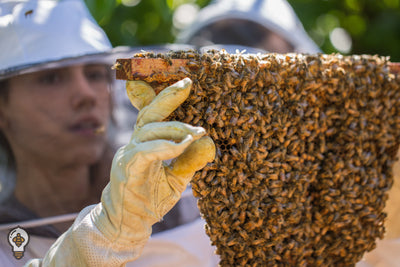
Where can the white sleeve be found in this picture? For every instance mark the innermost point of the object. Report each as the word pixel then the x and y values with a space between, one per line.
pixel 84 245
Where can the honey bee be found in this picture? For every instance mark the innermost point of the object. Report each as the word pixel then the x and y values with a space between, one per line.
pixel 29 13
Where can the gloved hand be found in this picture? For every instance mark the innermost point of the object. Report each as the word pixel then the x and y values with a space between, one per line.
pixel 142 187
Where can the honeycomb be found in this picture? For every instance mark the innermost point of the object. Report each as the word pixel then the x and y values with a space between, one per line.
pixel 305 149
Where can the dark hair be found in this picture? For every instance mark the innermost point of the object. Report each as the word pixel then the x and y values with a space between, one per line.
pixel 4 89
pixel 233 31
pixel 4 145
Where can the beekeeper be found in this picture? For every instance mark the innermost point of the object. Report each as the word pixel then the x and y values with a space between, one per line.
pixel 56 150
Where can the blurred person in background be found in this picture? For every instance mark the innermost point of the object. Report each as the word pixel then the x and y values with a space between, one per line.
pixel 57 146
pixel 270 25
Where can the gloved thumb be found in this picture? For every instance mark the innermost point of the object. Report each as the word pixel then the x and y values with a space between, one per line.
pixel 194 158
pixel 163 104
pixel 139 93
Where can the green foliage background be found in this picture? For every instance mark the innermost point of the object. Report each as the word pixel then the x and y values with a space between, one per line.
pixel 374 25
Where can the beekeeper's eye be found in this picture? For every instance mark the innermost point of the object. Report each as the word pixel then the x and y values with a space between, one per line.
pixel 97 73
pixel 50 77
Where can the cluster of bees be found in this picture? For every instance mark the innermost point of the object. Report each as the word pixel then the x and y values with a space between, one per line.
pixel 305 148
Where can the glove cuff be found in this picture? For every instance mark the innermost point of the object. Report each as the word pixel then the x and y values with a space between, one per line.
pixel 137 232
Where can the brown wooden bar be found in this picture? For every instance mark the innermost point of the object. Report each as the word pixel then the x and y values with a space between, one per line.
pixel 394 67
pixel 150 69
pixel 166 70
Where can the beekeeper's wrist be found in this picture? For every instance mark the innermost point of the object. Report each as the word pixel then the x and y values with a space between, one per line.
pixel 137 231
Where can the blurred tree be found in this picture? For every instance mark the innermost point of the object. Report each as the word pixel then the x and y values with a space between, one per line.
pixel 344 26
pixel 139 22
pixel 352 26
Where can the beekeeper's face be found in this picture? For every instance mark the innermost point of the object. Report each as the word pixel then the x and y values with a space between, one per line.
pixel 58 115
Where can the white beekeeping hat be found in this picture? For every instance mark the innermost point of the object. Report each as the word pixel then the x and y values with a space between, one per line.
pixel 39 34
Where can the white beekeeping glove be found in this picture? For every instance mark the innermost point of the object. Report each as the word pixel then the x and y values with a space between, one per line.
pixel 142 187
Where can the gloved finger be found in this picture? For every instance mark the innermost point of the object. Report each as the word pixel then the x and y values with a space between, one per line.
pixel 139 93
pixel 171 130
pixel 195 157
pixel 148 152
pixel 165 102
